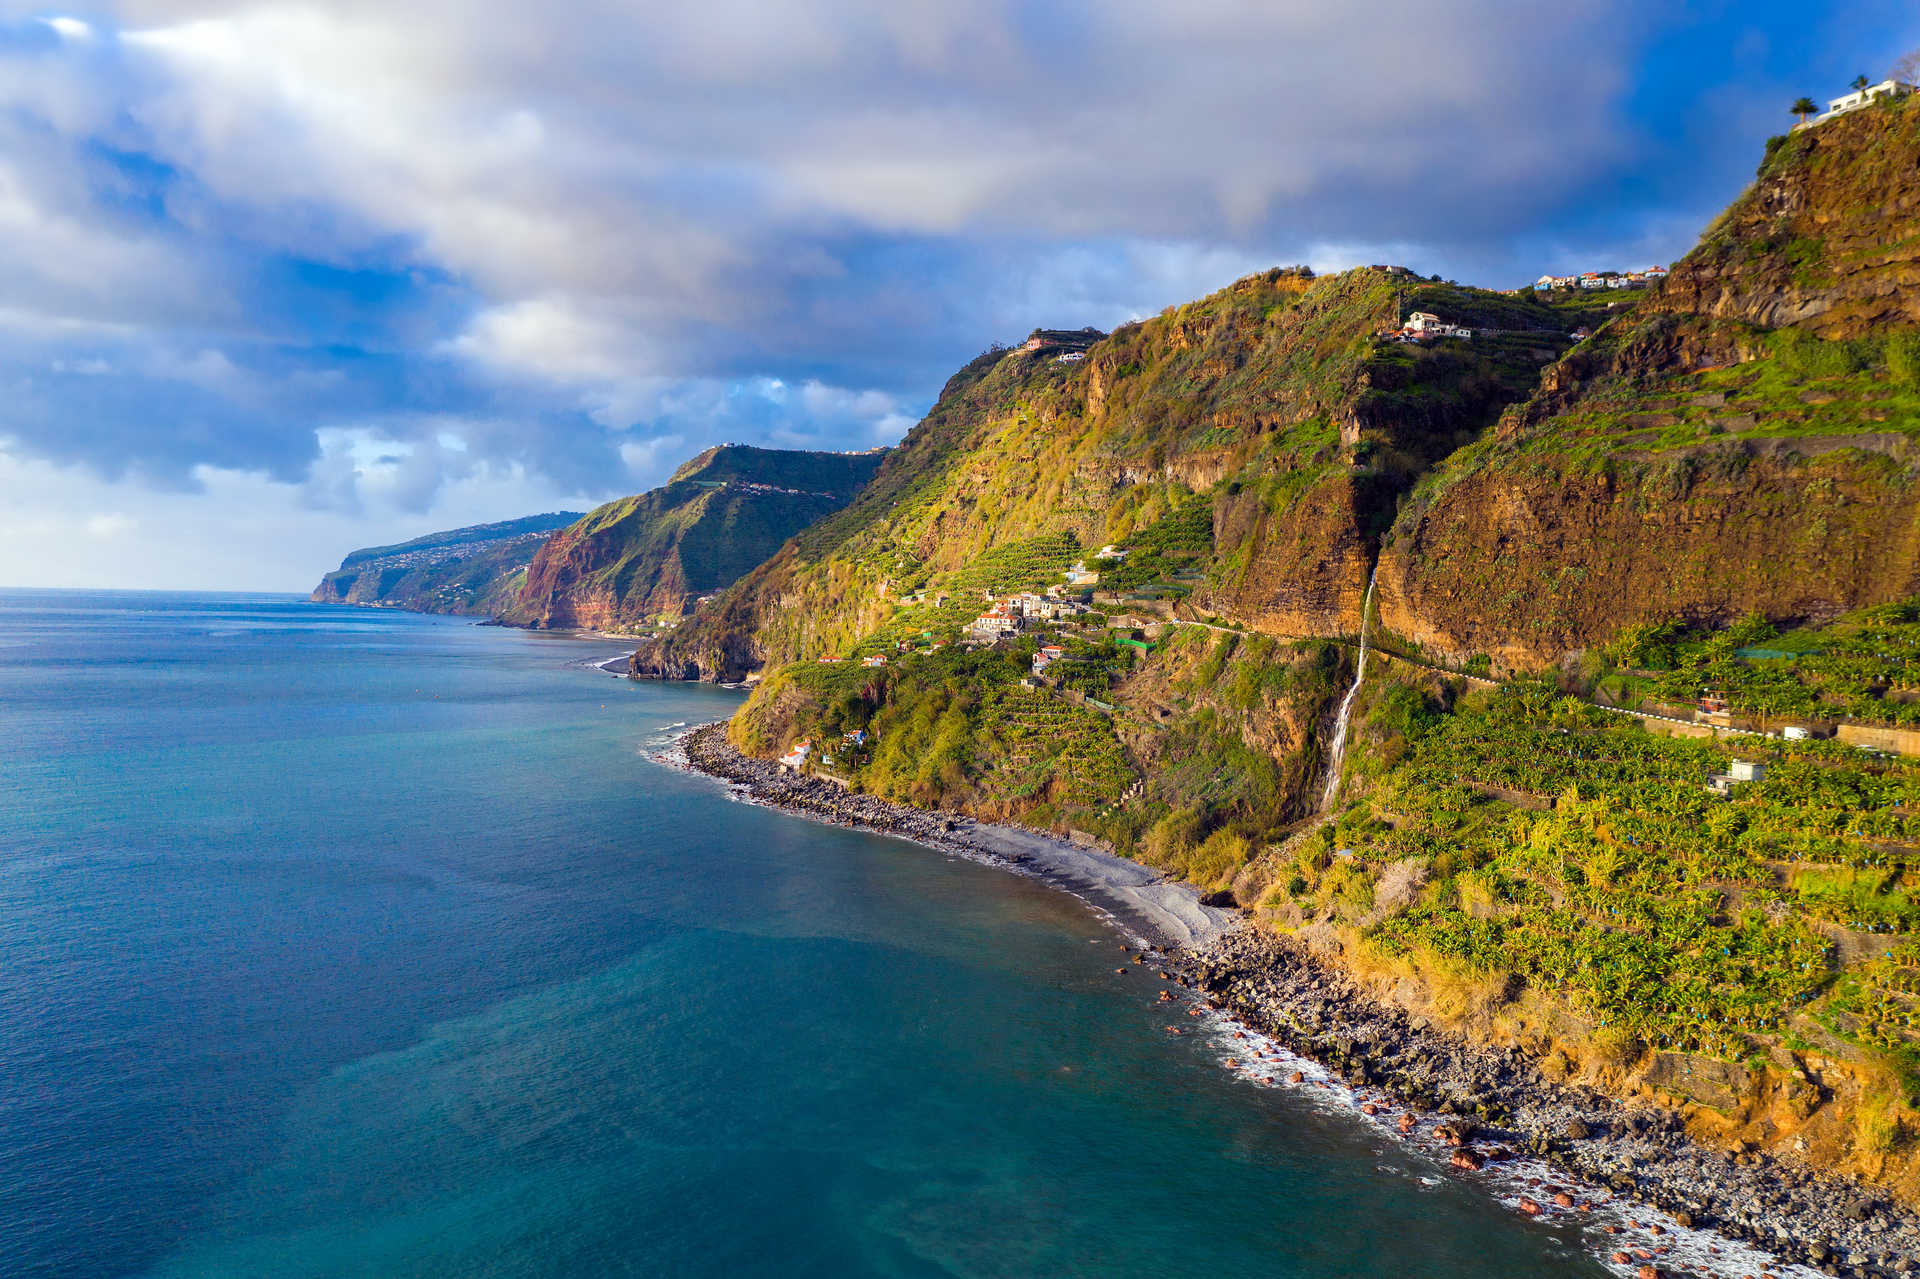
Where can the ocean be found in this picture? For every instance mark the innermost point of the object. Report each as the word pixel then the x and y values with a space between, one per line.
pixel 352 942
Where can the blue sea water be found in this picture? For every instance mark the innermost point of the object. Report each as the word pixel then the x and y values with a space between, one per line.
pixel 344 942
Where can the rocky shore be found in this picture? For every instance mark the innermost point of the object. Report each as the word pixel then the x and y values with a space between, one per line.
pixel 1496 1104
pixel 1482 1106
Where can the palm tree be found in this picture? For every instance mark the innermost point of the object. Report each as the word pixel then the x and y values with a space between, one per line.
pixel 1804 107
pixel 1860 82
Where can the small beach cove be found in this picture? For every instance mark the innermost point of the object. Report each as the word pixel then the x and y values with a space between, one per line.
pixel 1646 1200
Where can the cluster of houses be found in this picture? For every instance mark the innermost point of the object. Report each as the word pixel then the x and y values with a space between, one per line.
pixel 1016 613
pixel 1423 326
pixel 1603 279
pixel 1862 97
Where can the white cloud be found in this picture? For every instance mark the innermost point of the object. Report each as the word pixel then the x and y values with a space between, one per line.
pixel 401 255
pixel 70 28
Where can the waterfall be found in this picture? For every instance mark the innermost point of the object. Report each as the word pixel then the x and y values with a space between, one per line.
pixel 1346 703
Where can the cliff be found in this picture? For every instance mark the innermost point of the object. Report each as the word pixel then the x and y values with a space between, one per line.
pixel 653 555
pixel 1275 404
pixel 1744 441
pixel 475 570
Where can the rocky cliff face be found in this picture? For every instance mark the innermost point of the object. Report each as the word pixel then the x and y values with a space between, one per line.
pixel 474 571
pixel 1745 441
pixel 721 514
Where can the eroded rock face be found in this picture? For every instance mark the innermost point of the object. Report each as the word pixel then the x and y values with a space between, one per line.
pixel 1527 564
pixel 1824 238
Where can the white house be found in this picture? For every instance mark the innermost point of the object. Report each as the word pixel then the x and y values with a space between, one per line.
pixel 1111 552
pixel 995 622
pixel 1864 97
pixel 874 660
pixel 796 757
pixel 1080 575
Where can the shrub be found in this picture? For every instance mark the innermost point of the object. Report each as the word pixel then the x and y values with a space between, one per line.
pixel 1614 1045
pixel 1903 358
pixel 1802 354
pixel 1652 645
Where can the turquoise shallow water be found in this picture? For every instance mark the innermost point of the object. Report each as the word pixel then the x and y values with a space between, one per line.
pixel 337 942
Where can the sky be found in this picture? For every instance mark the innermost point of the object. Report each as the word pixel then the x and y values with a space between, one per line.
pixel 279 279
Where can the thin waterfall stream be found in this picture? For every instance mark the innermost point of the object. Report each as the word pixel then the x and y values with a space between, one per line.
pixel 1346 703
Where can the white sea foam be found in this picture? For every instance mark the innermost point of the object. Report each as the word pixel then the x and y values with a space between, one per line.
pixel 1676 1249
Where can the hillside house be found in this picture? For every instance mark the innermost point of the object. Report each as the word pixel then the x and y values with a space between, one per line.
pixel 1065 340
pixel 874 661
pixel 1422 324
pixel 1081 575
pixel 1864 97
pixel 796 758
pixel 1111 552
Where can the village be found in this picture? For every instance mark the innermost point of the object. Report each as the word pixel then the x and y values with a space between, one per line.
pixel 1065 616
pixel 1590 280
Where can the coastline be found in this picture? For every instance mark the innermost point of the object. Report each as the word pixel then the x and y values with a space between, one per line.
pixel 1651 1200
